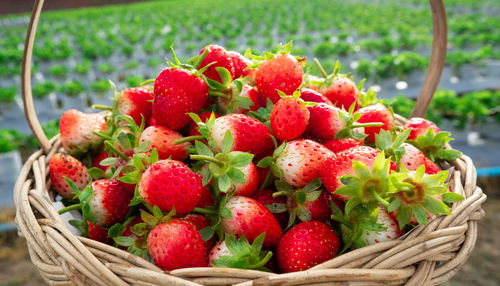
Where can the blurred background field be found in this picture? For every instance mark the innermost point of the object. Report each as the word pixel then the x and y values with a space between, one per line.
pixel 387 42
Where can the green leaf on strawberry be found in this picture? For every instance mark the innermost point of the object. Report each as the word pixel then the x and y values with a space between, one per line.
pixel 432 145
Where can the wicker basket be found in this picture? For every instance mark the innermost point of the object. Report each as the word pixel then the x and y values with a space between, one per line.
pixel 430 254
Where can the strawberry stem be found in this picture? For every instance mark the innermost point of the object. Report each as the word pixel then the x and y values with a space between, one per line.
pixel 188 139
pixel 116 150
pixel 101 134
pixel 146 82
pixel 218 94
pixel 70 208
pixel 282 193
pixel 207 158
pixel 262 262
pixel 102 107
pixel 204 211
pixel 374 124
pixel 320 68
pixel 200 59
pixel 378 197
pixel 343 221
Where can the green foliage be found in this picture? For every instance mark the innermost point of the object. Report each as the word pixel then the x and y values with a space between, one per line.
pixel 41 90
pixel 58 71
pixel 72 88
pixel 8 94
pixel 10 140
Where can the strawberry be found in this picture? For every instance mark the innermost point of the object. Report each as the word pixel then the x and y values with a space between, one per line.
pixel 419 126
pixel 241 99
pixel 342 164
pixel 306 245
pixel 301 161
pixel 391 231
pixel 251 184
pixel 168 184
pixel 66 166
pixel 325 121
pixel 220 58
pixel 281 72
pixel 162 139
pixel 96 162
pixel 240 64
pixel 276 205
pixel 200 222
pixel 176 244
pixel 238 253
pixel 310 95
pixel 98 233
pixel 251 218
pixel 249 134
pixel 109 202
pixel 289 117
pixel 178 91
pixel 376 113
pixel 339 145
pixel 77 128
pixel 206 198
pixel 193 127
pixel 413 158
pixel 136 102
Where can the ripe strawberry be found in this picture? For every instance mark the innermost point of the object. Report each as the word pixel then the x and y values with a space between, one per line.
pixel 76 130
pixel 325 121
pixel 240 64
pixel 62 166
pixel 317 209
pixel 413 158
pixel 282 72
pixel 310 95
pixel 251 218
pixel 168 184
pixel 96 162
pixel 162 139
pixel 301 161
pixel 249 134
pixel 306 245
pixel 289 118
pixel 392 231
pixel 178 91
pixel 200 222
pixel 236 103
pixel 339 145
pixel 98 233
pixel 376 113
pixel 419 126
pixel 177 244
pixel 276 205
pixel 220 58
pixel 206 198
pixel 136 102
pixel 109 202
pixel 193 127
pixel 251 184
pixel 341 91
pixel 341 164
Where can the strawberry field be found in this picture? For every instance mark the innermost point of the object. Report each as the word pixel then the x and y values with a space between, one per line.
pixel 81 57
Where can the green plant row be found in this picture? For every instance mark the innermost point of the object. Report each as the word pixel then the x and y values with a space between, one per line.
pixel 11 139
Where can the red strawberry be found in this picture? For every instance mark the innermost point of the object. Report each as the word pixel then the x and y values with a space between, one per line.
pixel 168 184
pixel 419 126
pixel 249 134
pixel 338 145
pixel 200 222
pixel 289 118
pixel 313 96
pixel 77 128
pixel 282 72
pixel 221 58
pixel 62 166
pixel 251 218
pixel 193 128
pixel 177 92
pixel 319 209
pixel 206 198
pixel 325 121
pixel 98 233
pixel 306 245
pixel 376 113
pixel 232 105
pixel 136 102
pixel 413 158
pixel 342 92
pixel 301 161
pixel 96 162
pixel 177 244
pixel 341 164
pixel 110 200
pixel 162 139
pixel 392 231
pixel 240 64
pixel 266 198
pixel 251 184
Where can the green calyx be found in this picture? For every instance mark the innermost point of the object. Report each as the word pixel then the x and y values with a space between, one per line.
pixel 432 145
pixel 350 119
pixel 296 95
pixel 83 198
pixel 282 49
pixel 136 244
pixel 223 168
pixel 308 193
pixel 328 78
pixel 243 255
pixel 270 162
pixel 418 193
pixel 263 114
pixel 369 187
pixel 391 144
pixel 203 127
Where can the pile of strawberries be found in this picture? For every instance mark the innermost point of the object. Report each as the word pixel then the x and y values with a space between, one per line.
pixel 248 162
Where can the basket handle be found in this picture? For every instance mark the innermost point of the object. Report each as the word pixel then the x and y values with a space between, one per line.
pixel 431 81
